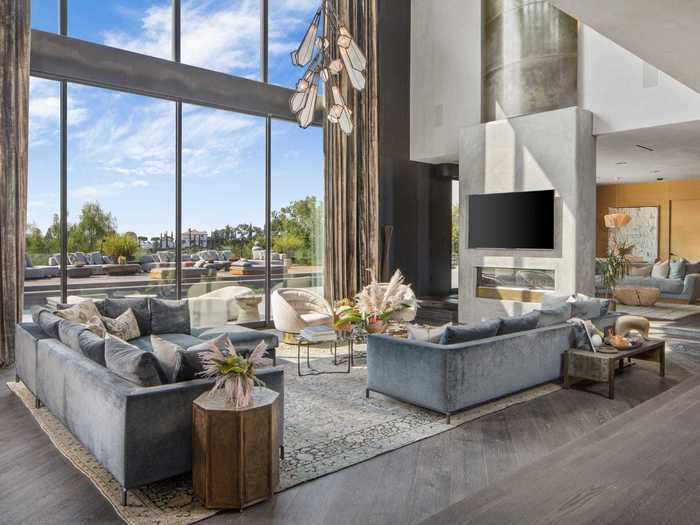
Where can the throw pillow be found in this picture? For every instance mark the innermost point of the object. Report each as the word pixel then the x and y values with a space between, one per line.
pixel 426 334
pixel 640 270
pixel 47 320
pixel 124 327
pixel 170 317
pixel 465 333
pixel 589 309
pixel 115 307
pixel 551 301
pixel 691 268
pixel 519 323
pixel 92 346
pixel 69 334
pixel 676 269
pixel 96 326
pixel 193 355
pixel 660 270
pixel 170 357
pixel 79 313
pixel 131 363
pixel 552 316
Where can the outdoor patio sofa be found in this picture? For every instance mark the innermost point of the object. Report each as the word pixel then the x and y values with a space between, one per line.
pixel 448 378
pixel 139 434
pixel 39 272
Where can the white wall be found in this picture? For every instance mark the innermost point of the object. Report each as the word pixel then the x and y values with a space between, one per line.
pixel 445 76
pixel 611 86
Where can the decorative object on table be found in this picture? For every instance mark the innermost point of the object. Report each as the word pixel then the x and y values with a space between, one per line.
pixel 620 342
pixel 318 334
pixel 585 332
pixel 235 459
pixel 626 323
pixel 397 329
pixel 637 295
pixel 248 307
pixel 376 305
pixel 326 36
pixel 233 373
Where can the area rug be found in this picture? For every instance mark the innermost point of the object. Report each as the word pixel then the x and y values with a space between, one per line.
pixel 329 426
pixel 662 311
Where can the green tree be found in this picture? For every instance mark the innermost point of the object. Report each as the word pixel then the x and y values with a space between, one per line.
pixel 455 229
pixel 302 219
pixel 94 224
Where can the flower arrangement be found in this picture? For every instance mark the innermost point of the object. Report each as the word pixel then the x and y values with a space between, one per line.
pixel 374 305
pixel 234 374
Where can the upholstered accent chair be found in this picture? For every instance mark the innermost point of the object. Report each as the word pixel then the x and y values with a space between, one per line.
pixel 293 309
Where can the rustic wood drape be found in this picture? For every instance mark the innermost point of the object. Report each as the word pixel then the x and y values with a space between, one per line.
pixel 352 169
pixel 14 95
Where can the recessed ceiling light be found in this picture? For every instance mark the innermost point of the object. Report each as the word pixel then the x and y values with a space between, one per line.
pixel 656 171
pixel 621 163
pixel 644 147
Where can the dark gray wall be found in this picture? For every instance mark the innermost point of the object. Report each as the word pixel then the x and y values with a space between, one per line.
pixel 415 198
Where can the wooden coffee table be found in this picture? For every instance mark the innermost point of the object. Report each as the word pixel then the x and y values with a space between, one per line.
pixel 600 367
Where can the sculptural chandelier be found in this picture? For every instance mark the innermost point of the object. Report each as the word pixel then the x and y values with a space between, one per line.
pixel 314 53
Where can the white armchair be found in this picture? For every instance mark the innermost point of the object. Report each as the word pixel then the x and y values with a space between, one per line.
pixel 217 307
pixel 293 309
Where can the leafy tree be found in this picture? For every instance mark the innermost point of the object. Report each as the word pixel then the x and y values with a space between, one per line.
pixel 93 226
pixel 455 229
pixel 120 245
pixel 288 243
pixel 302 219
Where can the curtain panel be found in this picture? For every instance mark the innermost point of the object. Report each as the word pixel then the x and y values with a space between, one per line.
pixel 14 98
pixel 351 169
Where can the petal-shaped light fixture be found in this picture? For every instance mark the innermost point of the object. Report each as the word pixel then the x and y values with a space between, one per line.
pixel 315 53
pixel 616 220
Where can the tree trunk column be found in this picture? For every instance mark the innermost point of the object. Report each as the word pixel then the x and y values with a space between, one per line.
pixel 530 58
pixel 14 95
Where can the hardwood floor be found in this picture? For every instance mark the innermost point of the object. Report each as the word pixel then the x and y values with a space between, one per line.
pixel 37 485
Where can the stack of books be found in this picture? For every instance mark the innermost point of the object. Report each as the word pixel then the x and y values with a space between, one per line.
pixel 318 334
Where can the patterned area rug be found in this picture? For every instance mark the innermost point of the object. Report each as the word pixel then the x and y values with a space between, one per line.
pixel 329 425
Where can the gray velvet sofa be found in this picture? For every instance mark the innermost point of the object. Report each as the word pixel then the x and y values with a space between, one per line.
pixel 449 378
pixel 139 434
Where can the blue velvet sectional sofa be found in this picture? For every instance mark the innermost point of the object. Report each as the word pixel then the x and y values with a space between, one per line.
pixel 139 434
pixel 448 378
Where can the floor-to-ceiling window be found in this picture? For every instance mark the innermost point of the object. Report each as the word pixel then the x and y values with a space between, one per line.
pixel 123 181
pixel 455 236
pixel 297 206
pixel 42 276
pixel 223 215
pixel 121 193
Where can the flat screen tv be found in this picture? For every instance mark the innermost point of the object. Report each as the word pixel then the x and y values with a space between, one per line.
pixel 520 220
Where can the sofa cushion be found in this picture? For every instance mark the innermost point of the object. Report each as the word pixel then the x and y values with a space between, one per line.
pixel 99 303
pixel 131 363
pixel 240 336
pixel 472 332
pixel 671 286
pixel 640 270
pixel 80 312
pixel 69 334
pixel 692 268
pixel 47 320
pixel 115 307
pixel 676 269
pixel 519 323
pixel 170 358
pixel 555 315
pixel 586 309
pixel 550 301
pixel 170 317
pixel 426 334
pixel 660 270
pixel 92 346
pixel 124 327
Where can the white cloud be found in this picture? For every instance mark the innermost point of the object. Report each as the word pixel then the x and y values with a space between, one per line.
pixel 86 193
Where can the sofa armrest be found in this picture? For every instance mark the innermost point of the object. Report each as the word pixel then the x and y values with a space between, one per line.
pixel 408 370
pixel 691 287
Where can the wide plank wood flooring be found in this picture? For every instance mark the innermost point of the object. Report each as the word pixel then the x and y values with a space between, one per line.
pixel 406 486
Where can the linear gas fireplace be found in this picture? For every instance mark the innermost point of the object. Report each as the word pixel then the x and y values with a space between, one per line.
pixel 513 284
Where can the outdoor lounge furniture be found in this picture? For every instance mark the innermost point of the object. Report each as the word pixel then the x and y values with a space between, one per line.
pixel 293 309
pixel 139 434
pixel 121 269
pixel 215 307
pixel 39 272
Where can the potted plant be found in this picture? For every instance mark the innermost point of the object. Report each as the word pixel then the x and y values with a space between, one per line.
pixel 234 374
pixel 120 247
pixel 615 268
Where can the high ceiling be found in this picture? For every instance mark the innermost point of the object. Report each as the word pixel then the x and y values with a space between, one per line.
pixel 664 33
pixel 675 155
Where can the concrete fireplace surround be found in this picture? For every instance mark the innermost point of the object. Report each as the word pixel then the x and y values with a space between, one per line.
pixel 549 150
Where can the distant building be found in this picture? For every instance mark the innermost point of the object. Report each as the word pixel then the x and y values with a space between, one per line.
pixel 192 238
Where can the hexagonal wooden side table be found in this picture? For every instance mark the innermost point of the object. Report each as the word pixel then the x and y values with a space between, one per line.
pixel 235 459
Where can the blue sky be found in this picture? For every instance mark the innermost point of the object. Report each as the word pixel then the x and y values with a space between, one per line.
pixel 121 146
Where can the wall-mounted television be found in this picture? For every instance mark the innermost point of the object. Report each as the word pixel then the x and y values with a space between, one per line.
pixel 519 220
